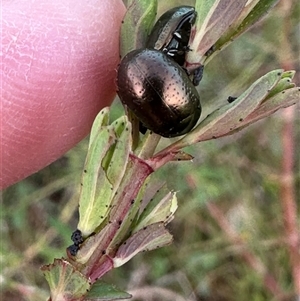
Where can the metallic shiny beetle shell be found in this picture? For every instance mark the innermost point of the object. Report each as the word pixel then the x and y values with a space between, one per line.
pixel 171 32
pixel 159 92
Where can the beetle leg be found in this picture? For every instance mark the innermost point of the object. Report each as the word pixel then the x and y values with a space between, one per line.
pixel 197 75
pixel 174 51
pixel 177 35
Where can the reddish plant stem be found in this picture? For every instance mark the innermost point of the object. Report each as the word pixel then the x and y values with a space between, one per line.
pixel 288 200
pixel 100 263
pixel 288 195
pixel 253 261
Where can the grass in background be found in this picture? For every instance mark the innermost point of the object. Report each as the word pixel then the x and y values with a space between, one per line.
pixel 229 228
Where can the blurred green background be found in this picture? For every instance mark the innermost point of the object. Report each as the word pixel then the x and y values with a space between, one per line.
pixel 230 224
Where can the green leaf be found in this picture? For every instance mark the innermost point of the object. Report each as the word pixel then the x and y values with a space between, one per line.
pixel 96 189
pixel 146 239
pixel 214 18
pixel 104 168
pixel 65 282
pixel 203 8
pixel 137 24
pixel 228 118
pixel 252 13
pixel 258 10
pixel 102 291
pixel 219 22
pixel 119 159
pixel 92 246
pixel 160 207
pixel 281 100
pixel 271 92
pixel 284 83
pixel 100 121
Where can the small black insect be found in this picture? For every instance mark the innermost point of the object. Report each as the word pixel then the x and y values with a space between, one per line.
pixel 231 99
pixel 76 237
pixel 73 249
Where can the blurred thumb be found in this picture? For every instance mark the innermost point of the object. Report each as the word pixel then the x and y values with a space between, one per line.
pixel 57 71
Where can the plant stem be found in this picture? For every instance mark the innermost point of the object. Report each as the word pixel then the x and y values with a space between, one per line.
pixel 253 261
pixel 100 262
pixel 288 199
pixel 149 146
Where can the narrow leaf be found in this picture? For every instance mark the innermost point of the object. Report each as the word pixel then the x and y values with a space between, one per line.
pixel 251 14
pixel 100 121
pixel 96 190
pixel 214 18
pixel 229 117
pixel 160 208
pixel 146 239
pixel 137 24
pixel 281 100
pixel 102 291
pixel 93 246
pixel 105 166
pixel 284 84
pixel 119 159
